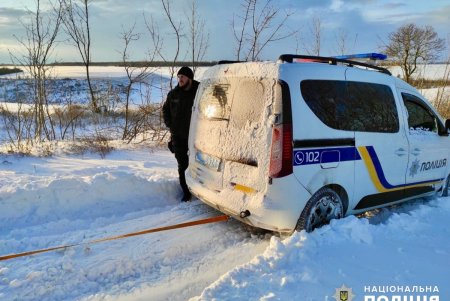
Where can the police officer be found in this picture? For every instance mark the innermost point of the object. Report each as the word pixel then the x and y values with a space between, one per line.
pixel 177 116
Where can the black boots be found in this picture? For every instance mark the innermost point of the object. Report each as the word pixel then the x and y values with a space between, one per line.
pixel 186 197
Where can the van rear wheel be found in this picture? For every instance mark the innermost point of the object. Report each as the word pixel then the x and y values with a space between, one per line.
pixel 445 188
pixel 323 206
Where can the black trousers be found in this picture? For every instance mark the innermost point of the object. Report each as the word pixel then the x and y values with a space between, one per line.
pixel 181 154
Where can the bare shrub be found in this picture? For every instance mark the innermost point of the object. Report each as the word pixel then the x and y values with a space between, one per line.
pixel 98 144
pixel 18 126
pixel 67 118
pixel 144 122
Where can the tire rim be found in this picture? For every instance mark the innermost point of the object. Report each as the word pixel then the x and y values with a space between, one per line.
pixel 326 209
pixel 446 186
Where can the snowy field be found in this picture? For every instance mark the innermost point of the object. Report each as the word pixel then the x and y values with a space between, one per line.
pixel 68 85
pixel 64 199
pixel 431 71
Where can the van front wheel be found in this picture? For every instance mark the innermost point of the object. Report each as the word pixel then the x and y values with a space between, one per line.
pixel 323 206
pixel 445 188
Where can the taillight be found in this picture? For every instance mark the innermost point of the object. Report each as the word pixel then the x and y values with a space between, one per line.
pixel 281 151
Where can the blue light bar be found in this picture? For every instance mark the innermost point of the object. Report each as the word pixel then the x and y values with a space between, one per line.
pixel 372 56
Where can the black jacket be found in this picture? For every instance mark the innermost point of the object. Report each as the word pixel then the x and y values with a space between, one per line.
pixel 177 111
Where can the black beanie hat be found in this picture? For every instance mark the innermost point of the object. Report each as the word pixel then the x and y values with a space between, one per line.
pixel 186 71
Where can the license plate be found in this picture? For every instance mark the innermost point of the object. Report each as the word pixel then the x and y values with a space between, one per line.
pixel 207 160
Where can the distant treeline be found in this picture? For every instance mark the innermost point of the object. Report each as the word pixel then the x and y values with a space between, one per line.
pixel 138 64
pixel 121 64
pixel 4 70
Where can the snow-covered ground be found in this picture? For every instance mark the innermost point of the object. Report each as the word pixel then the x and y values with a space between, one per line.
pixel 69 199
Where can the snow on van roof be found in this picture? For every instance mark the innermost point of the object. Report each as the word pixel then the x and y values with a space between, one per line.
pixel 248 69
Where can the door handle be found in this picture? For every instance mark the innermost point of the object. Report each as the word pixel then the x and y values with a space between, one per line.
pixel 401 152
pixel 416 151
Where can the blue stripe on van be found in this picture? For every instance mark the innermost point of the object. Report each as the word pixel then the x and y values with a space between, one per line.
pixel 382 178
pixel 325 155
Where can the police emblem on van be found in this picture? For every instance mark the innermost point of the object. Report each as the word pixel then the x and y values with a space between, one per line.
pixel 414 168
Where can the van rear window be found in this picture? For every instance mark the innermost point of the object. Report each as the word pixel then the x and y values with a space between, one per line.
pixel 237 100
pixel 352 106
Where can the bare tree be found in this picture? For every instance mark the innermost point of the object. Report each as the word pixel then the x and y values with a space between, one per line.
pixel 198 38
pixel 441 101
pixel 135 75
pixel 41 32
pixel 316 31
pixel 257 27
pixel 313 47
pixel 77 25
pixel 158 41
pixel 342 42
pixel 411 45
pixel 158 48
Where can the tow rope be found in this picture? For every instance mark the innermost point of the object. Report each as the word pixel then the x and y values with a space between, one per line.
pixel 220 218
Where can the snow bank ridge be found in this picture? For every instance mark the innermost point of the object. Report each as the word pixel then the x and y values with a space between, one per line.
pixel 100 196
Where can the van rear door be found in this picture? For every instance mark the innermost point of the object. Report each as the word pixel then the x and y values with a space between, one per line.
pixel 230 133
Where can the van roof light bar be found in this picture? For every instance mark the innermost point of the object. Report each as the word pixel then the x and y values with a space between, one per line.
pixel 223 62
pixel 371 56
pixel 292 58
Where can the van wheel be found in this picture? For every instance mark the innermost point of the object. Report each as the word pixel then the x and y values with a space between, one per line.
pixel 323 206
pixel 445 188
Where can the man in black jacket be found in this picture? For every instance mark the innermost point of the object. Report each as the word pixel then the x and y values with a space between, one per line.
pixel 177 116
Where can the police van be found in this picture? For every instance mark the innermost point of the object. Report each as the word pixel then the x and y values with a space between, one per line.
pixel 292 144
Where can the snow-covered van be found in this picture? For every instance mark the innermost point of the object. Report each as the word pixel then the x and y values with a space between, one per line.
pixel 292 144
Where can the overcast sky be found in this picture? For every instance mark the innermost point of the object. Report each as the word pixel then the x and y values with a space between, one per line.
pixel 364 23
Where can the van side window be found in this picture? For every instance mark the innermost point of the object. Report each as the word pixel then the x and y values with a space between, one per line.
pixel 419 116
pixel 352 106
pixel 326 98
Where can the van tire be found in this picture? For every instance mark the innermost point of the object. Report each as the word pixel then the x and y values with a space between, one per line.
pixel 445 188
pixel 323 206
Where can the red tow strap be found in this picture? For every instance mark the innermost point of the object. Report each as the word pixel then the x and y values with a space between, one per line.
pixel 220 218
